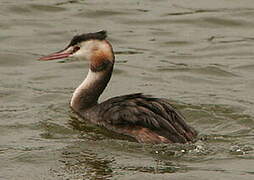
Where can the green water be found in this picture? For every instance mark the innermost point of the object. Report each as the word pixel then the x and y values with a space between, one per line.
pixel 198 54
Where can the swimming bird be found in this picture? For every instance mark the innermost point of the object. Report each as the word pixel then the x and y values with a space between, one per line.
pixel 143 117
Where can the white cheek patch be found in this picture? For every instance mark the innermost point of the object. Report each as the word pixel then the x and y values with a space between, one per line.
pixel 83 53
pixel 86 49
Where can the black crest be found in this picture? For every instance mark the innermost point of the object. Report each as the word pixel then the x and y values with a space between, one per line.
pixel 100 35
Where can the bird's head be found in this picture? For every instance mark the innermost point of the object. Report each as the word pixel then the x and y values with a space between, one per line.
pixel 90 46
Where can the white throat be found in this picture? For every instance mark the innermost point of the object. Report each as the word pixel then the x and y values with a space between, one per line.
pixel 90 79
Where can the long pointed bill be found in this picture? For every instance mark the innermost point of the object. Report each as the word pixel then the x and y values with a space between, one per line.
pixel 57 55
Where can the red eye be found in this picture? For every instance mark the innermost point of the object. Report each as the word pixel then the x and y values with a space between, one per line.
pixel 75 49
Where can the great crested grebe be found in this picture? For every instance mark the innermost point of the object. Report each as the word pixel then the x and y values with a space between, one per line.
pixel 142 117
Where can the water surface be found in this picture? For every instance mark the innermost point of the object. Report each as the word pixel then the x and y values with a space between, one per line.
pixel 198 54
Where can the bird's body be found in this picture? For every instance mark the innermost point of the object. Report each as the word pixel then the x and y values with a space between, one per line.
pixel 143 117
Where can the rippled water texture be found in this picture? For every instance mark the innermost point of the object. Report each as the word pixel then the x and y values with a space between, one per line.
pixel 198 54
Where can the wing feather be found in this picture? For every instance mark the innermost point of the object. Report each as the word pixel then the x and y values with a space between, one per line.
pixel 146 111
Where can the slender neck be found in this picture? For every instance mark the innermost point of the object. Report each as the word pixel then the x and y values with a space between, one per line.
pixel 89 91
